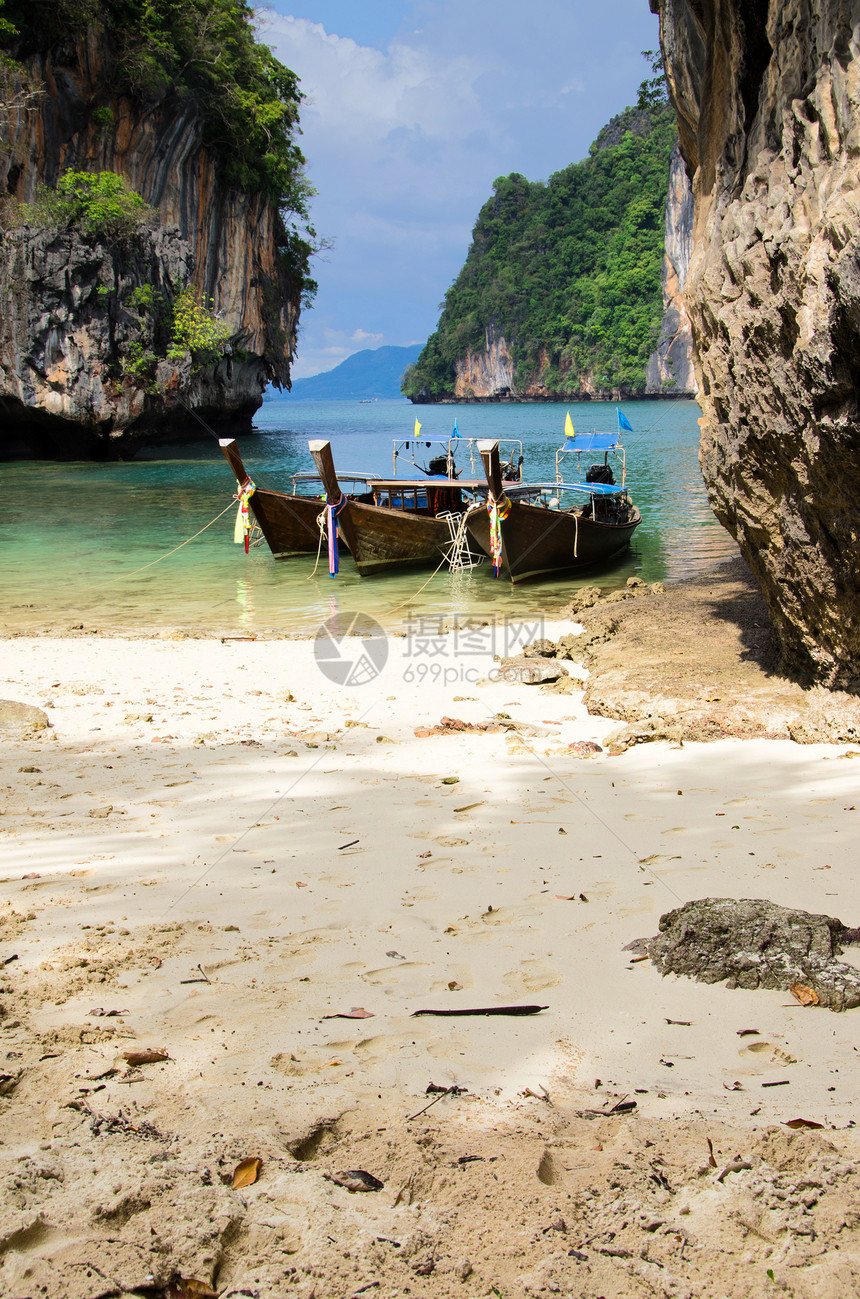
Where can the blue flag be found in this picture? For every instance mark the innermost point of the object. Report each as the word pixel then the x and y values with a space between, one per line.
pixel 456 432
pixel 623 421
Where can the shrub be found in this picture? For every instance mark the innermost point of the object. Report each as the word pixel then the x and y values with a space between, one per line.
pixel 142 298
pixel 103 119
pixel 196 330
pixel 139 360
pixel 100 204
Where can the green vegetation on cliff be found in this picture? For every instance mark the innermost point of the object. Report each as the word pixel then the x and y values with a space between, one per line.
pixel 98 203
pixel 568 272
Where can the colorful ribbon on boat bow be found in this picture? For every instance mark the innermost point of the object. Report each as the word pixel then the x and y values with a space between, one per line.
pixel 331 513
pixel 242 530
pixel 498 511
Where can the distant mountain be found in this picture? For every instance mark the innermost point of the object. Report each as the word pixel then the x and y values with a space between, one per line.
pixel 372 373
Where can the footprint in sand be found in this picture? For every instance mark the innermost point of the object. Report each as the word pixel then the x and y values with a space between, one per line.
pixel 421 894
pixel 641 905
pixel 292 1066
pixel 289 1065
pixel 507 915
pixel 402 973
pixel 774 1054
pixel 434 863
pixel 532 976
pixel 372 1050
pixel 445 1046
pixel 456 980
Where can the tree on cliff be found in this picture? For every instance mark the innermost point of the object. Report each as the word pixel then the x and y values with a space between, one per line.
pixel 568 272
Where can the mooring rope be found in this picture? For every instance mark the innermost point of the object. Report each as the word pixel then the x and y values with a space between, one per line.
pixel 121 577
pixel 442 562
pixel 476 505
pixel 321 524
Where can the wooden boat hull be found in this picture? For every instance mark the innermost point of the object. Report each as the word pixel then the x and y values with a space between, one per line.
pixel 288 523
pixel 381 539
pixel 537 542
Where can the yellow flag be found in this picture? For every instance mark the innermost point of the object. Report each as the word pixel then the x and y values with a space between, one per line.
pixel 417 428
pixel 568 426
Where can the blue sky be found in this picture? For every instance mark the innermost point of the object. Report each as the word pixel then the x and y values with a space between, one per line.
pixel 414 108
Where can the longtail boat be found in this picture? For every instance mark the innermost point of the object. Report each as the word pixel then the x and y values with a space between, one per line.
pixel 289 523
pixel 394 524
pixel 536 540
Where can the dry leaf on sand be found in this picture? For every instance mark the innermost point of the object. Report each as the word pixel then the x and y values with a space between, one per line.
pixel 357 1012
pixel 246 1173
pixel 805 995
pixel 135 1058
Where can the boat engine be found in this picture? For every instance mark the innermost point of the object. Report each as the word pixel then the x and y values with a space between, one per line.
pixel 439 466
pixel 600 474
pixel 511 470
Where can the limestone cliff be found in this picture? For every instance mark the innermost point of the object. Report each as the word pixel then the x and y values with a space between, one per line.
pixel 66 328
pixel 560 295
pixel 670 367
pixel 486 372
pixel 767 96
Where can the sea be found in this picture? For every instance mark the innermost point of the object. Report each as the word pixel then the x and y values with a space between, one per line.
pixel 138 547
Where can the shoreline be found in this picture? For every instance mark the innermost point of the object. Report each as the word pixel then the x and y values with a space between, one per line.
pixel 215 846
pixel 555 399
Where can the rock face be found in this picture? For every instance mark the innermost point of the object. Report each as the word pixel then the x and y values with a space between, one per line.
pixel 753 943
pixel 64 334
pixel 670 368
pixel 768 103
pixel 488 373
pixel 695 661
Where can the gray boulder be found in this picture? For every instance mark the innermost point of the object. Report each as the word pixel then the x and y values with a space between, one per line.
pixel 16 718
pixel 753 943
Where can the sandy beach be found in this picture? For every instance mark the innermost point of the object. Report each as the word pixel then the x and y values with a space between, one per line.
pixel 215 850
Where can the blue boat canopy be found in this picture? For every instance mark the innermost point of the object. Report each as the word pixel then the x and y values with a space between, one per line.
pixel 592 442
pixel 594 489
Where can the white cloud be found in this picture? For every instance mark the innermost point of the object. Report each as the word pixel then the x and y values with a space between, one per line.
pixel 363 339
pixel 358 93
pixel 403 143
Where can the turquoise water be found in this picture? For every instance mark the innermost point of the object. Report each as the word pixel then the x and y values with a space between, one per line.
pixel 73 535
